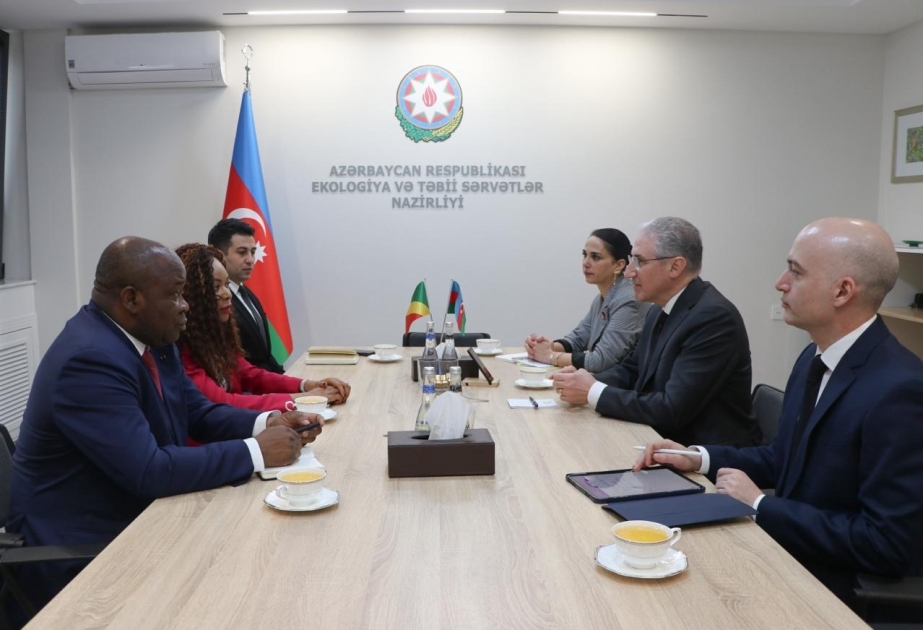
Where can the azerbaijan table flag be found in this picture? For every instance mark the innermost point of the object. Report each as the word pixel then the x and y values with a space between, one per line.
pixel 246 200
pixel 419 306
pixel 457 307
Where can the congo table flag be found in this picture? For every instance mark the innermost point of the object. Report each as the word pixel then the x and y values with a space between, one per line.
pixel 246 200
pixel 419 306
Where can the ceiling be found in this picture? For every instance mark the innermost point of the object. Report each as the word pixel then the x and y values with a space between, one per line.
pixel 821 16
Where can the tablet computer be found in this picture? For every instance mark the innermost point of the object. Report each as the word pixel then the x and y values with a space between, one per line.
pixel 620 485
pixel 483 368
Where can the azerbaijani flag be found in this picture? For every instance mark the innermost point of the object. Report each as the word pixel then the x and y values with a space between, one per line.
pixel 246 200
pixel 419 306
pixel 457 307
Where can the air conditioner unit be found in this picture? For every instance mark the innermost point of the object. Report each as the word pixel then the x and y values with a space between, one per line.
pixel 145 60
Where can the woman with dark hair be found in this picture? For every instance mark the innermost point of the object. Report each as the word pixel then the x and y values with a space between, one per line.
pixel 612 327
pixel 210 345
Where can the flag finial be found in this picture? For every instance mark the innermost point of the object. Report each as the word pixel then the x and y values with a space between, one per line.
pixel 247 52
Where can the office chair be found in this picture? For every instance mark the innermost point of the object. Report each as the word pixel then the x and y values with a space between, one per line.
pixel 767 407
pixel 900 600
pixel 462 340
pixel 12 551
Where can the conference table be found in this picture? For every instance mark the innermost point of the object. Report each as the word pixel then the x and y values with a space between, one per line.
pixel 511 550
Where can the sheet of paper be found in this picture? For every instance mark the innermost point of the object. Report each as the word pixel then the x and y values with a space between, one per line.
pixel 306 460
pixel 521 357
pixel 525 403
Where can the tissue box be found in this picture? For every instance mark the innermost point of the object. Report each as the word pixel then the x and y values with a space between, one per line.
pixel 469 369
pixel 412 454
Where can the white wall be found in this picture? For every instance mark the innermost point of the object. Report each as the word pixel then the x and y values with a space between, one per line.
pixel 748 135
pixel 900 204
pixel 15 193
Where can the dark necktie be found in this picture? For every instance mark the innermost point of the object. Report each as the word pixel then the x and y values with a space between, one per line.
pixel 151 366
pixel 658 327
pixel 811 389
pixel 255 314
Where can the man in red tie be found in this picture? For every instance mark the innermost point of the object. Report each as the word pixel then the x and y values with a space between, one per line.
pixel 110 412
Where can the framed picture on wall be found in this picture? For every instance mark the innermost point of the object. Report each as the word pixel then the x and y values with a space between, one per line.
pixel 907 160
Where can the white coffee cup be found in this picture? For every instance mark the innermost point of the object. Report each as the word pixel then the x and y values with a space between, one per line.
pixel 385 350
pixel 300 485
pixel 644 543
pixel 311 404
pixel 488 345
pixel 533 374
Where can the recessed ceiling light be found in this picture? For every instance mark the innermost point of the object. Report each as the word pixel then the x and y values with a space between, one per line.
pixel 304 12
pixel 488 11
pixel 609 13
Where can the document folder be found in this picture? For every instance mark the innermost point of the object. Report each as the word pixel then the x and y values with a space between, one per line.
pixel 687 509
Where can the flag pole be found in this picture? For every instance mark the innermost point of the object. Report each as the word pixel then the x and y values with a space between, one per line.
pixel 427 299
pixel 247 52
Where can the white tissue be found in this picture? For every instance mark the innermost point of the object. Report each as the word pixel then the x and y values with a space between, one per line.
pixel 447 417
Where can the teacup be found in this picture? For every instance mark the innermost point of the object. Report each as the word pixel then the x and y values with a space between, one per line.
pixel 301 484
pixel 644 543
pixel 488 345
pixel 533 374
pixel 311 404
pixel 385 350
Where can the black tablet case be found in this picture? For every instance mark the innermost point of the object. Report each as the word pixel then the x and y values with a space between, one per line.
pixel 685 509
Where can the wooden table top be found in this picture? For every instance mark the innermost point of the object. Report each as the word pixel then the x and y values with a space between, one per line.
pixel 513 550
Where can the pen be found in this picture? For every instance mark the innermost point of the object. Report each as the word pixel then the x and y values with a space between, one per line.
pixel 307 427
pixel 671 451
pixel 534 402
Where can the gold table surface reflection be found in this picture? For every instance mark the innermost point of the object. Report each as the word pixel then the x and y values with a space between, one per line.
pixel 513 550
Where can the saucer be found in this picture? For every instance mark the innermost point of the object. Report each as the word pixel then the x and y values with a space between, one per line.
pixel 324 499
pixel 609 558
pixel 328 414
pixel 391 358
pixel 542 384
pixel 488 353
pixel 913 243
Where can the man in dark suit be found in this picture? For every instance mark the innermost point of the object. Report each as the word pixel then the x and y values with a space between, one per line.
pixel 111 409
pixel 847 463
pixel 689 376
pixel 235 238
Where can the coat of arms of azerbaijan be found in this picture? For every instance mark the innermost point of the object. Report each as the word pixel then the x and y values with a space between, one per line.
pixel 429 104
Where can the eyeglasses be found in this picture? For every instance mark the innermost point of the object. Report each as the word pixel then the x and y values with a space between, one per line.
pixel 637 263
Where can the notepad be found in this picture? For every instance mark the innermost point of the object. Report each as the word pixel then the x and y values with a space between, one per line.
pixel 330 355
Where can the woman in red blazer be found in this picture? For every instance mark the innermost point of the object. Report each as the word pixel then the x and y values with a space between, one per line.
pixel 210 345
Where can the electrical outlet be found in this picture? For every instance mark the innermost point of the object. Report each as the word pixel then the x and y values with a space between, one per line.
pixel 776 312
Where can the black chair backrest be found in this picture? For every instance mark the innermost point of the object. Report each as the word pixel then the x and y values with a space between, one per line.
pixel 462 340
pixel 767 407
pixel 6 472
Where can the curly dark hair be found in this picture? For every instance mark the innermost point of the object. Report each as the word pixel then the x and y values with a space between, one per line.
pixel 213 345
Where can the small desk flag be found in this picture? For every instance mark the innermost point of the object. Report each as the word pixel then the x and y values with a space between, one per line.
pixel 419 306
pixel 457 307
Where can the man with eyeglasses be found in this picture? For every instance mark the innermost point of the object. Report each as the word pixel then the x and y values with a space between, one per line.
pixel 689 376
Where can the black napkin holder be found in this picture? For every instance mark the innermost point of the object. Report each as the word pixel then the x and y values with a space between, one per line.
pixel 469 369
pixel 413 454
